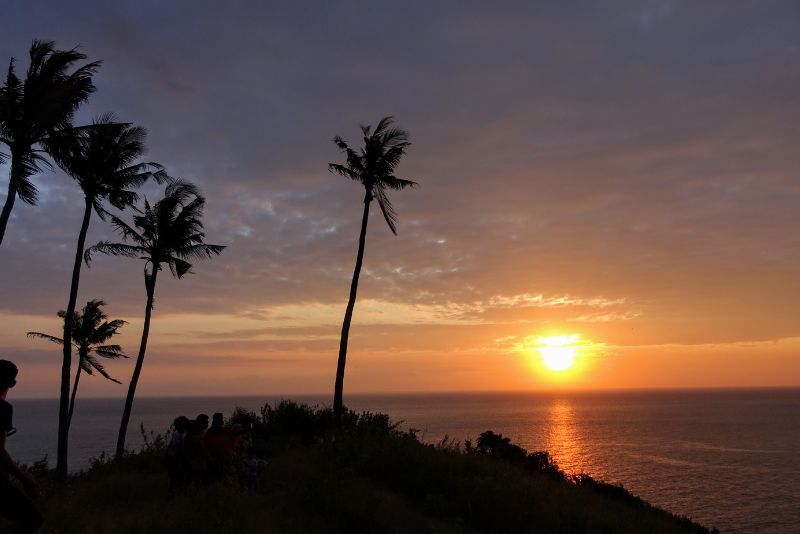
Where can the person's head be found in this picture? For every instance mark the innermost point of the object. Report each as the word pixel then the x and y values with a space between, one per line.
pixel 202 420
pixel 217 420
pixel 8 375
pixel 180 423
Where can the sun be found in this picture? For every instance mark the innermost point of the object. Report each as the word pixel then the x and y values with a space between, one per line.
pixel 560 357
pixel 558 352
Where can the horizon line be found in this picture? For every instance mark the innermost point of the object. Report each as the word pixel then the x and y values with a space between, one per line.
pixel 288 396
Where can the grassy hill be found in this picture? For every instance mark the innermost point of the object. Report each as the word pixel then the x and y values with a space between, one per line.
pixel 368 477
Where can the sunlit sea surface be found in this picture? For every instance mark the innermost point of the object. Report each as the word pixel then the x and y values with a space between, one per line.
pixel 727 458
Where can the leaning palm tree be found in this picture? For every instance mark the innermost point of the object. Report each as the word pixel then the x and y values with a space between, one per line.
pixel 168 233
pixel 372 166
pixel 90 333
pixel 31 110
pixel 103 159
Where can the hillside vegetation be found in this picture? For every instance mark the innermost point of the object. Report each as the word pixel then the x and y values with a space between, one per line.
pixel 369 476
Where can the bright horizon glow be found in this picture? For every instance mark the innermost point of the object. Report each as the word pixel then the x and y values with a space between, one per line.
pixel 558 352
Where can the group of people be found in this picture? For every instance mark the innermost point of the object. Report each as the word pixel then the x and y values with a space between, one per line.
pixel 199 454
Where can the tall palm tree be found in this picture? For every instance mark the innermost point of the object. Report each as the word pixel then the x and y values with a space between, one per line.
pixel 372 166
pixel 103 159
pixel 90 333
pixel 168 233
pixel 31 110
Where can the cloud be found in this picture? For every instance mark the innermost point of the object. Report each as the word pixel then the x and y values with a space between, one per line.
pixel 626 170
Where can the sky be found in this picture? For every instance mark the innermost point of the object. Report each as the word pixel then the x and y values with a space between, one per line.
pixel 626 172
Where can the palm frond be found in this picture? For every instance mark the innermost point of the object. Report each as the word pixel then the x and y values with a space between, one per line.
pixel 162 176
pixel 93 363
pixel 398 184
pixel 101 333
pixel 387 209
pixel 110 351
pixel 178 267
pixel 180 191
pixel 48 337
pixel 27 163
pixel 85 364
pixel 383 124
pixel 26 191
pixel 189 214
pixel 127 232
pixel 114 249
pixel 343 170
pixel 120 199
pixel 199 251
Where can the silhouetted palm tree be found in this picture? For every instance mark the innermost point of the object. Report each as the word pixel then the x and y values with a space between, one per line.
pixel 90 332
pixel 102 158
pixel 373 166
pixel 31 110
pixel 168 233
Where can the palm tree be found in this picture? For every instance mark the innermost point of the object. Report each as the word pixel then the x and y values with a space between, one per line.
pixel 102 158
pixel 168 233
pixel 373 167
pixel 90 332
pixel 31 110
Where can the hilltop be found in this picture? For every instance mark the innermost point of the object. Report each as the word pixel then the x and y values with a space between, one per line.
pixel 370 476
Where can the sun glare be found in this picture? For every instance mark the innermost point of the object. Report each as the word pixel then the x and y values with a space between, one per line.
pixel 560 358
pixel 558 352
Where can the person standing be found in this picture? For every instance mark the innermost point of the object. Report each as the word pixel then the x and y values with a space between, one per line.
pixel 219 444
pixel 14 505
pixel 175 459
pixel 196 453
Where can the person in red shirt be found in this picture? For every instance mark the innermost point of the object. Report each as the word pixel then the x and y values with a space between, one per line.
pixel 219 443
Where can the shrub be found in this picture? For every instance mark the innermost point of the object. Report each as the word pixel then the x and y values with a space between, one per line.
pixel 500 448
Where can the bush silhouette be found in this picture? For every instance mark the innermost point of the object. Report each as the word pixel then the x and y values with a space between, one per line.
pixel 500 448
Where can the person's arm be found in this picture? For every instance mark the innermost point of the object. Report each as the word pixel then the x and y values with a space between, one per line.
pixel 8 465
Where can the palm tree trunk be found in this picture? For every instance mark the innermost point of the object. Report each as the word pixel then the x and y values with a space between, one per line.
pixel 11 198
pixel 137 370
pixel 63 408
pixel 338 390
pixel 74 393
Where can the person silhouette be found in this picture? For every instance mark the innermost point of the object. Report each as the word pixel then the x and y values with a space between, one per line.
pixel 175 459
pixel 220 445
pixel 196 453
pixel 202 421
pixel 14 505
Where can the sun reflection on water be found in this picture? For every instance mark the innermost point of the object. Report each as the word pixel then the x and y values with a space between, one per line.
pixel 563 439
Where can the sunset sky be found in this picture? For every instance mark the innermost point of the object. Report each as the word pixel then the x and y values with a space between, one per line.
pixel 628 172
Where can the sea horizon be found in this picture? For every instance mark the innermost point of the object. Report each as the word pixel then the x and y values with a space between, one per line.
pixel 571 391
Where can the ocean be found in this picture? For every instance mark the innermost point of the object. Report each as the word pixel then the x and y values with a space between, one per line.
pixel 729 459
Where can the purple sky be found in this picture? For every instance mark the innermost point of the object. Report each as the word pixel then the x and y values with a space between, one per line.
pixel 639 159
